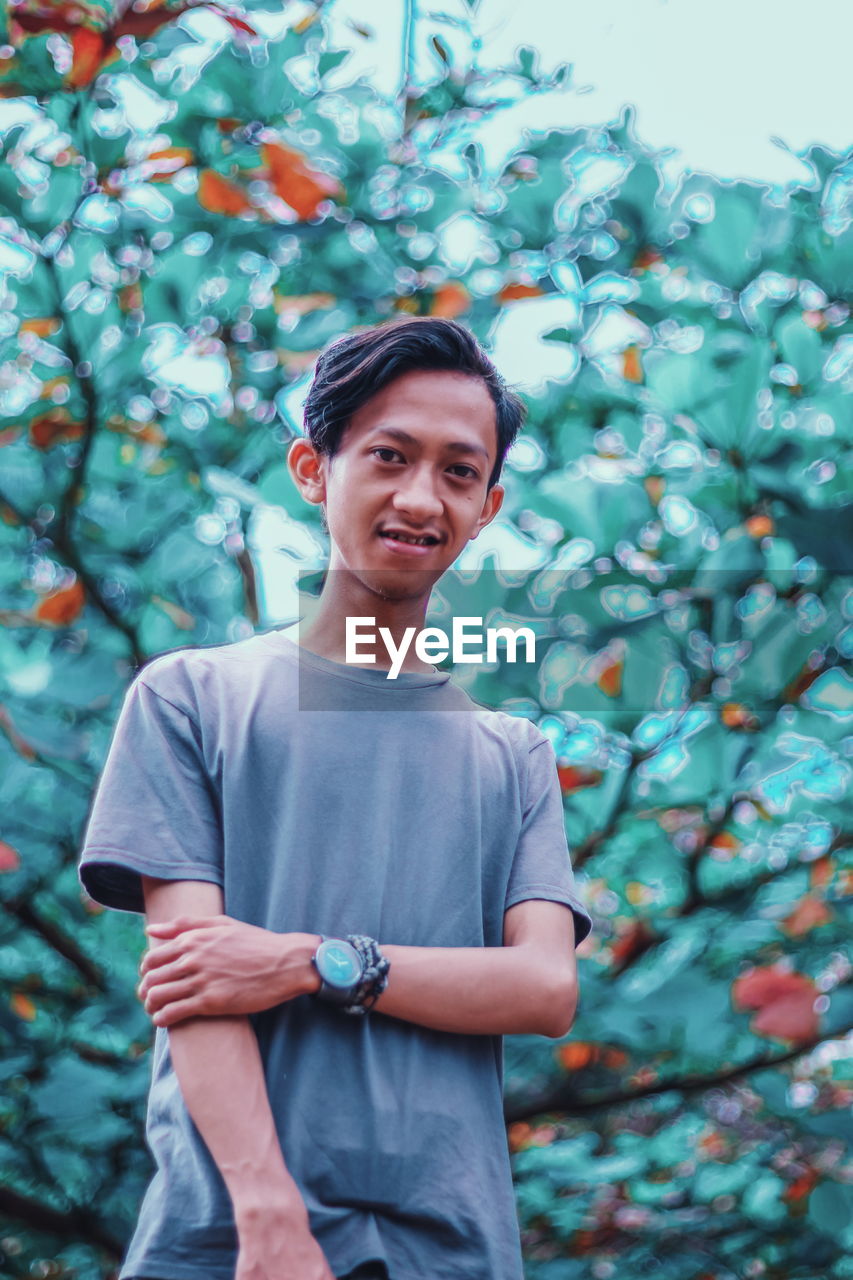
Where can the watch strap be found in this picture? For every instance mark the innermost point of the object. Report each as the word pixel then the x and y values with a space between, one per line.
pixel 360 998
pixel 374 978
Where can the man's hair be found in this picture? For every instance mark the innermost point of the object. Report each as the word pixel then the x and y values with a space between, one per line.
pixel 355 367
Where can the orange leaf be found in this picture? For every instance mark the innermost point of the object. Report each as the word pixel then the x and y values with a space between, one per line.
pixel 645 258
pixel 807 914
pixel 88 47
pixel 638 894
pixel 736 715
pixel 172 158
pixel 725 845
pixel 821 871
pixel 610 680
pixel 8 515
pixel 23 1006
pixel 53 428
pixel 9 858
pixel 632 368
pixel 218 195
pixel 724 840
pixel 712 1145
pixel 511 292
pixel 801 1187
pixel 575 778
pixel 48 388
pixel 147 432
pixel 576 1054
pixel 238 24
pixel 759 526
pixel 791 1018
pixel 42 326
pixel 304 23
pixel 450 300
pixel 295 181
pixel 784 1000
pixel 61 607
pixel 763 984
pixel 654 487
pixel 628 941
pixel 130 295
pixel 518 1135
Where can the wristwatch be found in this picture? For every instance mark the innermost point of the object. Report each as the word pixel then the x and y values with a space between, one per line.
pixel 341 970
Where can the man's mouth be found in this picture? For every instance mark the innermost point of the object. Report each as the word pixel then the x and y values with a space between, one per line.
pixel 423 540
pixel 404 543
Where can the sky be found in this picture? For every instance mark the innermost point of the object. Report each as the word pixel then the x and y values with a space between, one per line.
pixel 735 88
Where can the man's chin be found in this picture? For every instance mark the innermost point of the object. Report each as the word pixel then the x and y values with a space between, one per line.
pixel 400 584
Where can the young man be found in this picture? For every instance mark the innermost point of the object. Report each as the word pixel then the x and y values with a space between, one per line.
pixel 328 1108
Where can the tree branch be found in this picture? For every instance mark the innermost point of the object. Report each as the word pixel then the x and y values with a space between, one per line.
pixel 78 1224
pixel 564 1098
pixel 61 942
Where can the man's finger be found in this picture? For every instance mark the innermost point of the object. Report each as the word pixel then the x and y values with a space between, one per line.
pixel 158 956
pixel 169 993
pixel 173 1013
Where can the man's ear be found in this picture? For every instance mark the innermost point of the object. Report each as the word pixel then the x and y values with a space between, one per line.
pixel 491 507
pixel 308 469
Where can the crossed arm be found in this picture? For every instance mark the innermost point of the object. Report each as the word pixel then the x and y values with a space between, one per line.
pixel 206 971
pixel 203 962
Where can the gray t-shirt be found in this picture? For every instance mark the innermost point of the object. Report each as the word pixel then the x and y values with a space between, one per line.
pixel 329 799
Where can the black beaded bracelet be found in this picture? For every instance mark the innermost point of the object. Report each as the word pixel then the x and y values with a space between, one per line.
pixel 375 977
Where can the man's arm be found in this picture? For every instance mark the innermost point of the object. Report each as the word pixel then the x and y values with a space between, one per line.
pixel 219 1069
pixel 528 985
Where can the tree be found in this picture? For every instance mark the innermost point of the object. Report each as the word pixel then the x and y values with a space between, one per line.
pixel 191 207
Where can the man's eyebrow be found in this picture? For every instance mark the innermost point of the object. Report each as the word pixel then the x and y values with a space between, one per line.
pixel 453 446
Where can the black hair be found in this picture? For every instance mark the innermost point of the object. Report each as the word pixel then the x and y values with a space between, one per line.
pixel 355 367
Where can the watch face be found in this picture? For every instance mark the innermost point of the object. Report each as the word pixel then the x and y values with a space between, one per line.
pixel 339 963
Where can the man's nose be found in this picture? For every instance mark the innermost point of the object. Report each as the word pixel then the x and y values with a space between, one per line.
pixel 418 495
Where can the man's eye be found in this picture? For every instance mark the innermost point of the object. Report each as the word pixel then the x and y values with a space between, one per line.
pixel 470 473
pixel 384 449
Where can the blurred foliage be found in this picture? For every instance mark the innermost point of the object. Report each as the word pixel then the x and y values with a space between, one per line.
pixel 192 203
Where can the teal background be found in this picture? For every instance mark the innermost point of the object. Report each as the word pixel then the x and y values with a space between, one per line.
pixel 192 206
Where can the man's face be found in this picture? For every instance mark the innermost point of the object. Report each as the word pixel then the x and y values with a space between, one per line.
pixel 413 464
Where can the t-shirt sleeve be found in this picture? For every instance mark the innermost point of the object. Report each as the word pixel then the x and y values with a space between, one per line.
pixel 542 866
pixel 155 810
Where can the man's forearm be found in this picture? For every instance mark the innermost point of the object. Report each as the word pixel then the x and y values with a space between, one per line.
pixel 511 989
pixel 218 1065
pixel 220 1072
pixel 475 990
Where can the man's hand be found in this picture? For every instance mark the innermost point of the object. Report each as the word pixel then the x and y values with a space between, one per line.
pixel 216 965
pixel 274 1246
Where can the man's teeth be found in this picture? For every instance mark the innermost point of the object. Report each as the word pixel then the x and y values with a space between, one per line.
pixel 404 537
